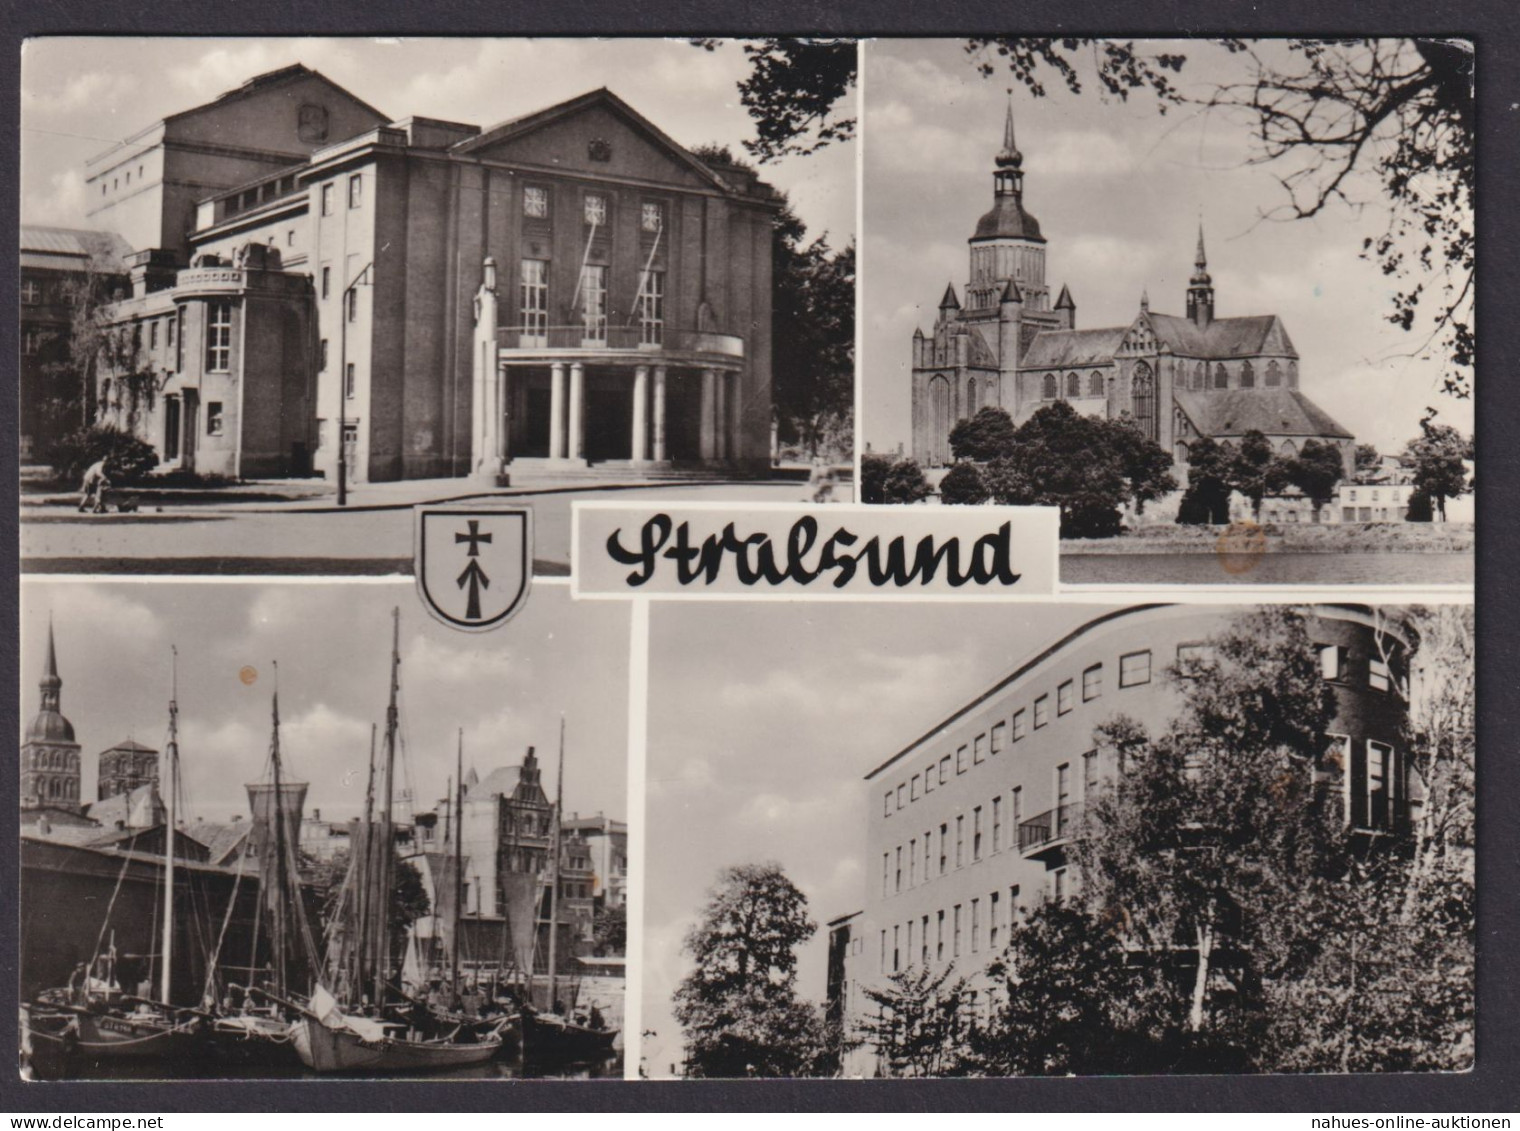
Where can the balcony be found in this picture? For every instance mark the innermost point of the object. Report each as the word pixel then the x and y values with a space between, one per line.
pixel 625 343
pixel 1048 831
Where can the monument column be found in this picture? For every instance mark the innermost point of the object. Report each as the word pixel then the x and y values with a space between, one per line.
pixel 577 410
pixel 557 410
pixel 640 447
pixel 659 412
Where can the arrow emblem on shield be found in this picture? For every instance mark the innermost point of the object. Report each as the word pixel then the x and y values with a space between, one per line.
pixel 474 564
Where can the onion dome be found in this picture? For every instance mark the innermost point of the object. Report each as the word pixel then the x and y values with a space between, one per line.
pixel 49 725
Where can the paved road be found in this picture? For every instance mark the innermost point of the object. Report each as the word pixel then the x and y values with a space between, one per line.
pixel 296 542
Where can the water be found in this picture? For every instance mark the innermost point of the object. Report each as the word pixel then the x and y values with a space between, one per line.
pixel 506 1067
pixel 1436 568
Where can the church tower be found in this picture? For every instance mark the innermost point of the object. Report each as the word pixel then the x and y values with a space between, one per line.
pixel 1200 295
pixel 1007 244
pixel 50 756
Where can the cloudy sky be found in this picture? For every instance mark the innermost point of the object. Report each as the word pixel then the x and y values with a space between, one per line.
pixel 1118 190
pixel 763 719
pixel 80 95
pixel 332 642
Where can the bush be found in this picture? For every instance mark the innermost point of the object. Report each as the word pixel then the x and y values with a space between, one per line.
pixel 886 479
pixel 963 486
pixel 1420 509
pixel 128 459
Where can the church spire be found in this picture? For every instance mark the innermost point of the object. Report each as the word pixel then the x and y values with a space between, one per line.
pixel 50 683
pixel 1008 180
pixel 1010 147
pixel 1200 294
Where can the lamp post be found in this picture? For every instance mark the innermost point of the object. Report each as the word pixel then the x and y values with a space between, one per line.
pixel 348 291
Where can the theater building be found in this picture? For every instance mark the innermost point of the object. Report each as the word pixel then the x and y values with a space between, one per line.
pixel 565 293
pixel 969 824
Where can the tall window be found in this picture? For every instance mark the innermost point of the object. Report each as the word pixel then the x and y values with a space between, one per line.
pixel 1089 773
pixel 327 199
pixel 179 349
pixel 349 383
pixel 1066 695
pixel 944 844
pixel 351 303
pixel 960 840
pixel 960 760
pixel 595 208
pixel 976 834
pixel 1018 725
pixel 897 882
pixel 651 216
pixel 992 916
pixel 31 292
pixel 1048 387
pixel 979 749
pixel 929 775
pixel 944 769
pixel 1332 661
pixel 1378 676
pixel 1063 796
pixel 939 938
pixel 923 938
pixel 1095 385
pixel 928 854
pixel 1041 711
pixel 1143 396
pixel 322 356
pixel 1092 683
pixel 1247 376
pixel 534 293
pixel 997 824
pixel 218 337
pixel 1221 376
pixel 913 862
pixel 1274 374
pixel 998 730
pixel 886 873
pixel 326 280
pixel 956 943
pixel 1379 777
pixel 356 190
pixel 594 304
pixel 1073 385
pixel 536 202
pixel 652 309
pixel 1016 807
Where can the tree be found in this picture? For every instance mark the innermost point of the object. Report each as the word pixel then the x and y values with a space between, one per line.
pixel 1315 471
pixel 962 486
pixel 609 928
pixel 920 1027
pixel 1255 470
pixel 1334 118
pixel 409 898
pixel 793 93
pixel 1146 467
pixel 1368 459
pixel 986 436
pixel 889 479
pixel 1437 455
pixel 738 1008
pixel 1207 498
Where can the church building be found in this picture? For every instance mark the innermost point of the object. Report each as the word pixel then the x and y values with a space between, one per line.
pixel 1178 377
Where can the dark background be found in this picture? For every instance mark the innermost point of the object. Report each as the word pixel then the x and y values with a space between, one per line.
pixel 1492 1085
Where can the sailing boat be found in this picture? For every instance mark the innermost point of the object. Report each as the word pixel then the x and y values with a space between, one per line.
pixel 357 1033
pixel 112 1025
pixel 549 1037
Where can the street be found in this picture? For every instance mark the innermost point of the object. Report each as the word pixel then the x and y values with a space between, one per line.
pixel 356 542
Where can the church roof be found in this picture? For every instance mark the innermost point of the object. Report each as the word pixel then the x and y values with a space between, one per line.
pixel 1008 220
pixel 129 746
pixel 1065 301
pixel 1224 413
pixel 1224 338
pixel 1056 349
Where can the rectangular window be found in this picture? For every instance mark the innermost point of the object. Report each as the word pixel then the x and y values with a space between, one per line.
pixel 886 804
pixel 1063 797
pixel 960 840
pixel 31 292
pixel 1041 711
pixel 218 337
pixel 351 304
pixel 327 199
pixel 956 944
pixel 179 349
pixel 1378 676
pixel 976 834
pixel 536 202
pixel 1135 668
pixel 356 190
pixel 651 308
pixel 169 332
pixel 999 731
pixel 897 883
pixel 1058 885
pixel 1066 696
pixel 326 280
pixel 976 925
pixel 1379 788
pixel 928 854
pixel 322 356
pixel 1016 807
pixel 1089 773
pixel 883 948
pixel 939 937
pixel 929 776
pixel 886 874
pixel 944 769
pixel 153 334
pixel 979 749
pixel 913 862
pixel 923 937
pixel 908 956
pixel 1018 725
pixel 31 343
pixel 349 384
pixel 902 795
pixel 944 844
pixel 534 302
pixel 997 824
pixel 651 216
pixel 593 304
pixel 960 760
pixel 1092 683
pixel 993 912
pixel 913 790
pixel 1332 661
pixel 213 418
pixel 595 209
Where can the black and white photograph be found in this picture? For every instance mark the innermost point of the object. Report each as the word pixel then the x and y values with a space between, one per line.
pixel 1206 296
pixel 263 317
pixel 293 830
pixel 1061 839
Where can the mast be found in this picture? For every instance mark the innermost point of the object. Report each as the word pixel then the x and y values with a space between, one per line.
pixel 458 855
pixel 171 760
pixel 386 847
pixel 559 796
pixel 281 885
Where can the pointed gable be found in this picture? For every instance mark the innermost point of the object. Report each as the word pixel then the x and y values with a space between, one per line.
pixel 1225 338
pixel 597 134
pixel 293 110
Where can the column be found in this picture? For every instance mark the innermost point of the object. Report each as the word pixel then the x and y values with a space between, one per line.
pixel 577 410
pixel 503 423
pixel 557 410
pixel 732 423
pixel 640 446
pixel 720 415
pixel 659 412
pixel 706 414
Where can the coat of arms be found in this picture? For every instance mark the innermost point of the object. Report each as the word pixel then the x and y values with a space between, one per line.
pixel 474 565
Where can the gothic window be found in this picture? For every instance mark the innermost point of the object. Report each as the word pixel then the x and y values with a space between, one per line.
pixel 1247 376
pixel 1221 377
pixel 1199 380
pixel 1274 374
pixel 1143 397
pixel 972 403
pixel 1287 449
pixel 1095 385
pixel 1048 389
pixel 1073 385
pixel 1292 374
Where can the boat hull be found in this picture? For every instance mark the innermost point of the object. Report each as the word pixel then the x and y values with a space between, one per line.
pixel 262 1041
pixel 548 1040
pixel 338 1050
pixel 110 1037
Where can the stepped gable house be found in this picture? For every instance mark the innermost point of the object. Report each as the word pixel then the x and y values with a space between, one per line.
pixel 1178 378
pixel 566 291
